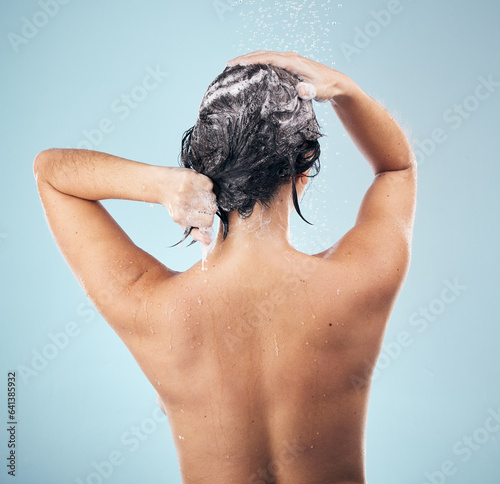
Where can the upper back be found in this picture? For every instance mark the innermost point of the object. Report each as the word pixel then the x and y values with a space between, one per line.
pixel 251 358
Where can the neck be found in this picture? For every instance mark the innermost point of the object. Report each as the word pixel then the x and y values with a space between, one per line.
pixel 267 230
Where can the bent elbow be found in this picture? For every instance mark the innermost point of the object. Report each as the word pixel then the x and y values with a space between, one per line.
pixel 41 161
pixel 38 163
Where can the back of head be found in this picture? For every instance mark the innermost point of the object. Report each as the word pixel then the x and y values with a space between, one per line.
pixel 252 135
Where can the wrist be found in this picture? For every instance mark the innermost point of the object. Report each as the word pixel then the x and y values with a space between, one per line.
pixel 342 89
pixel 163 177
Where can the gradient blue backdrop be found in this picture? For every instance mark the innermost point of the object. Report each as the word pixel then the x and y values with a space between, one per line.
pixel 64 69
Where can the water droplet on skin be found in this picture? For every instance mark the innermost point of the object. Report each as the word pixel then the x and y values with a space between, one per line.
pixel 302 322
pixel 338 291
pixel 229 327
pixel 312 446
pixel 200 300
pixel 151 329
pixel 307 342
pixel 159 384
pixel 181 437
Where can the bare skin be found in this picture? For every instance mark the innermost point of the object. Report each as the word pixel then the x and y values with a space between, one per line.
pixel 259 361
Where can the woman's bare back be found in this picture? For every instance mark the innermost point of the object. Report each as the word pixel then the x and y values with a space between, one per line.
pixel 256 363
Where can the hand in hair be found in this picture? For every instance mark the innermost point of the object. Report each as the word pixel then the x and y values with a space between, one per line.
pixel 190 201
pixel 327 81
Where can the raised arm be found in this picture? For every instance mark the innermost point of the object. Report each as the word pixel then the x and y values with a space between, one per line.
pixel 112 270
pixel 379 245
pixel 377 248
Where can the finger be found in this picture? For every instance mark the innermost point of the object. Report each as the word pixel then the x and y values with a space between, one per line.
pixel 204 237
pixel 306 91
pixel 204 182
pixel 236 60
pixel 199 219
pixel 208 235
pixel 205 202
pixel 197 200
pixel 290 61
pixel 278 59
pixel 262 57
pixel 191 217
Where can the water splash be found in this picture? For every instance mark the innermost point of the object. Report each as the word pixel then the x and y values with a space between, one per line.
pixel 206 249
pixel 309 29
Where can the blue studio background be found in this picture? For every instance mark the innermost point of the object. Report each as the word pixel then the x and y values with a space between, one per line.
pixel 67 70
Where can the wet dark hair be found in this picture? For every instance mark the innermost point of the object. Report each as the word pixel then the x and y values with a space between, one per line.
pixel 252 135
